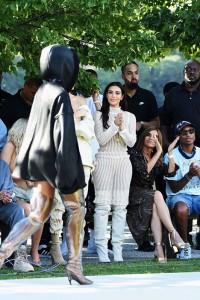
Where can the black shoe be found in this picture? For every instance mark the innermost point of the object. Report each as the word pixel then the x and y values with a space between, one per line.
pixel 146 247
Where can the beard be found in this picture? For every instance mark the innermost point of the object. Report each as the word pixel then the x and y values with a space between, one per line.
pixel 193 82
pixel 131 85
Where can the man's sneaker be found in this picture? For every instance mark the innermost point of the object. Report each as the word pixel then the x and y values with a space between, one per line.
pixel 185 253
pixel 21 263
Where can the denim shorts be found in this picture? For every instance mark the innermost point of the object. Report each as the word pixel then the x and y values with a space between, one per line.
pixel 192 202
pixel 23 194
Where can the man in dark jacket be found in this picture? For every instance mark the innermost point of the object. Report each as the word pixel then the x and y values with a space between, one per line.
pixel 183 102
pixel 18 106
pixel 50 157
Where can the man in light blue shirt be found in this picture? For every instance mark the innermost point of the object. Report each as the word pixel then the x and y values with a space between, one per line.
pixel 183 185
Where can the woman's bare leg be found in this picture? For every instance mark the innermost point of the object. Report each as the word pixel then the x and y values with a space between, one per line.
pixel 163 211
pixel 156 228
pixel 36 237
pixel 164 215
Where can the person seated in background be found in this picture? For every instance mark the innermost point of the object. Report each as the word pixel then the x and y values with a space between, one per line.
pixel 183 184
pixel 23 189
pixel 19 105
pixel 147 207
pixel 10 211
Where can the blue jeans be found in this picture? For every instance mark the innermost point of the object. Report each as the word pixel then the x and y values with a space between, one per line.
pixel 11 213
pixel 191 201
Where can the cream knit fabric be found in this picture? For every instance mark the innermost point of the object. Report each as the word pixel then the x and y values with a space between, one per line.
pixel 113 171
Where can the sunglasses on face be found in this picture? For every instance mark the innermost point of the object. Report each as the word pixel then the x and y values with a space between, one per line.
pixel 189 131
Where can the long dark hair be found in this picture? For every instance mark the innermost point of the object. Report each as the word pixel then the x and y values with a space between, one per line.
pixel 140 142
pixel 106 106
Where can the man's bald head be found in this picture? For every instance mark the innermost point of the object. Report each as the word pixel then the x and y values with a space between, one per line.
pixel 192 72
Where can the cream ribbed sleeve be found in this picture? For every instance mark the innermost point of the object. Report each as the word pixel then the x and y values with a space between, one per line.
pixel 113 139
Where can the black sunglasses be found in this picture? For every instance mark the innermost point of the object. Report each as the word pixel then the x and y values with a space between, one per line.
pixel 190 131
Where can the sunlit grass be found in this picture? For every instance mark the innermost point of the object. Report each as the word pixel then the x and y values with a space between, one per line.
pixel 131 267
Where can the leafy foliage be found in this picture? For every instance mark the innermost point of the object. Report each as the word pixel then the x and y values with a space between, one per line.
pixel 106 33
pixel 86 84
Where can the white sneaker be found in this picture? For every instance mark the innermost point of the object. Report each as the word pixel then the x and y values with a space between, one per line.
pixel 21 263
pixel 185 253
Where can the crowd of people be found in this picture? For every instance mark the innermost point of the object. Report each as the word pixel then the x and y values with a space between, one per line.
pixel 130 161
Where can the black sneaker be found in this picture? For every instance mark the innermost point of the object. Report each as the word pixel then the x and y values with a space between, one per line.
pixel 43 250
pixel 146 247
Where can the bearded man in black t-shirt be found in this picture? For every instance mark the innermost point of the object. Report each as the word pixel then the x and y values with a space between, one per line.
pixel 141 102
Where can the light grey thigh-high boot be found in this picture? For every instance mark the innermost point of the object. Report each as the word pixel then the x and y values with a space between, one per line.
pixel 74 204
pixel 118 226
pixel 27 226
pixel 100 230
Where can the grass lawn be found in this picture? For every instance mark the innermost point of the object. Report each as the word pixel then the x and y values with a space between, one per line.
pixel 132 267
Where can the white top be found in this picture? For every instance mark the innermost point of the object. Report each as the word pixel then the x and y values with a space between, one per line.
pixel 193 186
pixel 91 105
pixel 112 141
pixel 85 133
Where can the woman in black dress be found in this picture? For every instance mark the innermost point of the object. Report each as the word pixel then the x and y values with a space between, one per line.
pixel 147 207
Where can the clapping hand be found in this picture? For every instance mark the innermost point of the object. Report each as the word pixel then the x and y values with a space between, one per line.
pixel 119 120
pixel 5 197
pixel 194 170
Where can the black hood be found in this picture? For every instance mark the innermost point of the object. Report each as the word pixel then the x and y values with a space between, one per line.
pixel 61 64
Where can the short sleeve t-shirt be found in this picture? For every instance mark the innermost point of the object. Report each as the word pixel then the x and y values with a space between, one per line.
pixel 143 105
pixel 193 186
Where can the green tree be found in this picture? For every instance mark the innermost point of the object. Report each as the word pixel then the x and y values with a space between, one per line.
pixel 106 33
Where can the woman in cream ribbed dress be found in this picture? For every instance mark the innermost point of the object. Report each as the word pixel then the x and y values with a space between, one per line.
pixel 115 129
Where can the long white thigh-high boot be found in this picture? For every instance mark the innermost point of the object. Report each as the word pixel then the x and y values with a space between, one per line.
pixel 118 225
pixel 100 229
